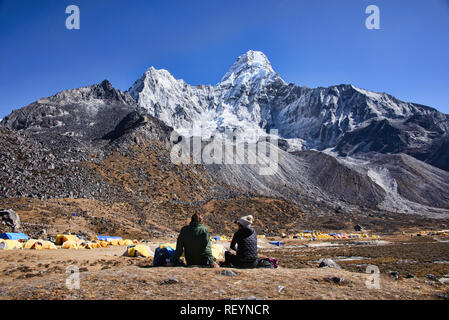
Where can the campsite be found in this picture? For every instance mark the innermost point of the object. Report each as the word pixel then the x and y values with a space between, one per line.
pixel 111 272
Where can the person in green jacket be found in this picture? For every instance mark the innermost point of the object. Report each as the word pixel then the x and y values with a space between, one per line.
pixel 194 241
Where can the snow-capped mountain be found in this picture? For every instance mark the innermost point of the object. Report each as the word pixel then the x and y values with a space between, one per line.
pixel 231 104
pixel 252 96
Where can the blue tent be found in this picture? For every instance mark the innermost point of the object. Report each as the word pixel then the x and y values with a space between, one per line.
pixel 13 236
pixel 108 238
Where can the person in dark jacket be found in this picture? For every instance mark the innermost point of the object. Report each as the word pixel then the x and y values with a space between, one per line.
pixel 246 240
pixel 194 241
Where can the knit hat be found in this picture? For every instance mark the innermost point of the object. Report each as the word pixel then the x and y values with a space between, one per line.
pixel 245 221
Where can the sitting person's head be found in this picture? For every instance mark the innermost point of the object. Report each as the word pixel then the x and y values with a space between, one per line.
pixel 245 222
pixel 196 217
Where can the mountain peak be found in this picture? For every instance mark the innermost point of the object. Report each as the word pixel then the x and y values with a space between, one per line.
pixel 106 85
pixel 251 63
pixel 255 59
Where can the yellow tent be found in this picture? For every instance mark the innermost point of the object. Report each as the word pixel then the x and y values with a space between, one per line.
pixel 218 251
pixel 95 244
pixel 86 245
pixel 40 245
pixel 113 242
pixel 104 244
pixel 10 245
pixel 70 245
pixel 121 242
pixel 61 238
pixel 29 244
pixel 171 245
pixel 139 250
pixel 128 242
pixel 48 245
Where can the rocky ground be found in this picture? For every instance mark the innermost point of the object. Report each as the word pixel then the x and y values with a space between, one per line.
pixel 106 274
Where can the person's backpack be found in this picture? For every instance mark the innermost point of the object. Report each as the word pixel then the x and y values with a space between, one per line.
pixel 162 256
pixel 267 263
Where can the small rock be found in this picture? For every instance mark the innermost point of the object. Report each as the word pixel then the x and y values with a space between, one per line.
pixel 280 289
pixel 170 281
pixel 410 276
pixel 248 298
pixel 228 273
pixel 335 280
pixel 431 277
pixel 328 263
pixel 394 275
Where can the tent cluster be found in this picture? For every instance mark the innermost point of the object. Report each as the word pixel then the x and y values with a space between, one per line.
pixel 75 242
pixel 444 233
pixel 315 235
pixel 13 241
pixel 220 238
pixel 228 239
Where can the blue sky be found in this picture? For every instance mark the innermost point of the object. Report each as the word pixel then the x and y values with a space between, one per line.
pixel 309 43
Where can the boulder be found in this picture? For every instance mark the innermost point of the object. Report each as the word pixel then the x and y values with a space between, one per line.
pixel 431 277
pixel 336 280
pixel 170 281
pixel 328 263
pixel 228 273
pixel 394 275
pixel 11 220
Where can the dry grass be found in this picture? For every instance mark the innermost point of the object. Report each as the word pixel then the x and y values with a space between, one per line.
pixel 106 274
